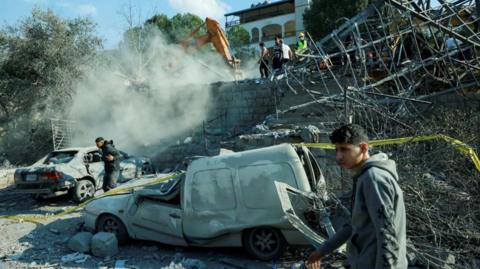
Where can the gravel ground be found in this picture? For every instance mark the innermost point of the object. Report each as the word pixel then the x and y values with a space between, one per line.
pixel 42 245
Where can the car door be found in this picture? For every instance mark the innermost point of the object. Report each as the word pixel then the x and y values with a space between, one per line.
pixel 129 167
pixel 158 221
pixel 94 164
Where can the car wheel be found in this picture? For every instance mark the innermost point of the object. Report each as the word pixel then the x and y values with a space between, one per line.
pixel 147 169
pixel 264 243
pixel 111 224
pixel 84 190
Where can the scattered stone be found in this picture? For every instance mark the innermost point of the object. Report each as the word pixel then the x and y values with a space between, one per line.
pixel 177 257
pixel 310 134
pixel 64 240
pixel 193 263
pixel 81 242
pixel 54 231
pixel 104 244
pixel 120 264
pixel 75 257
pixel 150 249
pixel 14 257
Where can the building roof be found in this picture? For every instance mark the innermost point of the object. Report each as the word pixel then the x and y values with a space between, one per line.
pixel 258 6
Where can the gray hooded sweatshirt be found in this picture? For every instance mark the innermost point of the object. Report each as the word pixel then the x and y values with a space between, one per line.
pixel 377 232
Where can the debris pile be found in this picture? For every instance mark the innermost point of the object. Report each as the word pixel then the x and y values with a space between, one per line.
pixel 405 68
pixel 389 64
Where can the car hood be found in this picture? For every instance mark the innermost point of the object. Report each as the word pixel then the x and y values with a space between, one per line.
pixel 118 201
pixel 112 204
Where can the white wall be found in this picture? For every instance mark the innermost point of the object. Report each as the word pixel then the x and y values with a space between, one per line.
pixel 300 7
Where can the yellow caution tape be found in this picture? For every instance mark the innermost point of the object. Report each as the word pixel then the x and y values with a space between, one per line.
pixel 120 190
pixel 459 145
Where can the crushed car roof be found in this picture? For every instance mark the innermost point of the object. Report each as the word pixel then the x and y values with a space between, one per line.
pixel 273 154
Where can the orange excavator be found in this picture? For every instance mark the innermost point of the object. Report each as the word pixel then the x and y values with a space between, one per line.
pixel 214 35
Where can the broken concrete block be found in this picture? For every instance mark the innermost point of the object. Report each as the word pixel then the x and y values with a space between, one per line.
pixel 310 134
pixel 80 242
pixel 104 244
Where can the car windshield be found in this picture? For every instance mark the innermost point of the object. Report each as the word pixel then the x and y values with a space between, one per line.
pixel 57 157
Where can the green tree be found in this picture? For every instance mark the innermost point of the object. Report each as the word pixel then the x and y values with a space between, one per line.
pixel 40 60
pixel 177 28
pixel 238 37
pixel 184 24
pixel 163 23
pixel 323 15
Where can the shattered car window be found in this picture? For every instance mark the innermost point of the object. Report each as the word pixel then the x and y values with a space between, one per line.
pixel 58 157
pixel 93 157
pixel 257 177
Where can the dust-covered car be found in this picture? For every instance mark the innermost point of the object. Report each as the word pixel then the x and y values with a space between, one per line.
pixel 223 201
pixel 78 171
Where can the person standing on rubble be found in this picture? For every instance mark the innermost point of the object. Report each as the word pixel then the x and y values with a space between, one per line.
pixel 376 234
pixel 302 44
pixel 287 54
pixel 277 54
pixel 263 61
pixel 110 157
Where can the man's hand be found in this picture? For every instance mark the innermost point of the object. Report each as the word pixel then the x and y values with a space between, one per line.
pixel 313 261
pixel 109 157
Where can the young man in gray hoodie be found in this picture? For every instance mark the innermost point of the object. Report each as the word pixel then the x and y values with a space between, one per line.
pixel 376 235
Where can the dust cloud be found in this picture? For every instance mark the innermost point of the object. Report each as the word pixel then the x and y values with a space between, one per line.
pixel 141 96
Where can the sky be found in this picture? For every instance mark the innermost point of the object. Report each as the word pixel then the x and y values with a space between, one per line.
pixel 110 14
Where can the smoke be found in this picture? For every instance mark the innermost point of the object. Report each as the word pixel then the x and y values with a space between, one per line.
pixel 143 96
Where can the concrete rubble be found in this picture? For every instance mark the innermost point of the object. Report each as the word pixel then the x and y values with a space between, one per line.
pixel 81 242
pixel 104 244
pixel 379 79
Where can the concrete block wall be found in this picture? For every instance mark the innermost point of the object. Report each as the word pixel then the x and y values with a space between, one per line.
pixel 233 109
pixel 235 106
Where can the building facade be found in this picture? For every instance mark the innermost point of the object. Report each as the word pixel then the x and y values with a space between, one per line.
pixel 265 20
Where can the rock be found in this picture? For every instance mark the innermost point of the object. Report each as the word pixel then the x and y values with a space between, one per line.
pixel 80 242
pixel 75 257
pixel 193 264
pixel 54 231
pixel 120 264
pixel 310 134
pixel 104 244
pixel 476 263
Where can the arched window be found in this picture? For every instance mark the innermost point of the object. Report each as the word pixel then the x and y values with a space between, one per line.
pixel 255 35
pixel 270 31
pixel 290 29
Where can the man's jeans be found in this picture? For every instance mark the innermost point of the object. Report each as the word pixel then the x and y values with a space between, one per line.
pixel 110 180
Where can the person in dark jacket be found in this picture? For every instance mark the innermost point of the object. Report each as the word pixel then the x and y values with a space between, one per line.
pixel 277 54
pixel 376 234
pixel 111 158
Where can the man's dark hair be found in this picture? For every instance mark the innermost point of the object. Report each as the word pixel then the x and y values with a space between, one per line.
pixel 278 36
pixel 349 134
pixel 262 44
pixel 98 139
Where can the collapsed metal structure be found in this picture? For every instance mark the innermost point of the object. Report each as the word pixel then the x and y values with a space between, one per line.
pixel 390 61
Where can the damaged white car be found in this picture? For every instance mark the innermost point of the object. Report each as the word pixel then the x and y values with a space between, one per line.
pixel 78 171
pixel 223 201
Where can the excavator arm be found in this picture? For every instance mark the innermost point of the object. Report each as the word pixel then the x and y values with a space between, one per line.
pixel 214 35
